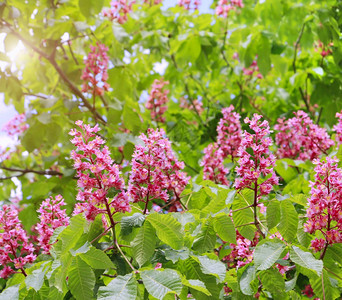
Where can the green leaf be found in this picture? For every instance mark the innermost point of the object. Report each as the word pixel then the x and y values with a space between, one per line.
pixel 243 215
pixel 206 238
pixel 144 244
pixel 10 293
pixel 264 51
pixel 121 287
pixel 168 229
pixel 190 49
pixel 224 227
pixel 323 287
pixel 73 232
pixel 127 223
pixel 131 119
pixel 97 259
pixel 90 8
pixel 36 278
pixel 196 284
pixel 306 260
pixel 211 267
pixel 273 282
pixel 266 254
pixel 245 282
pixel 285 171
pixel 288 220
pixel 273 214
pixel 159 283
pixel 81 279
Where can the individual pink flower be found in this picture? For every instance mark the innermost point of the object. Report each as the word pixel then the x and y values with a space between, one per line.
pixel 225 6
pixel 119 10
pixel 97 174
pixel 212 162
pixel 252 70
pixel 324 50
pixel 158 266
pixel 157 100
pixel 95 74
pixel 51 217
pixel 155 170
pixel 300 138
pixel 16 126
pixel 338 128
pixel 242 252
pixel 15 249
pixel 229 132
pixel 325 204
pixel 256 162
pixel 189 4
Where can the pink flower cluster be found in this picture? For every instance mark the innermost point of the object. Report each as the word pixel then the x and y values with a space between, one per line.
pixel 153 2
pixel 95 74
pixel 325 204
pixel 189 4
pixel 16 126
pixel 51 217
pixel 252 69
pixel 323 49
pixel 300 138
pixel 224 7
pixel 155 169
pixel 228 141
pixel 338 128
pixel 97 174
pixel 212 162
pixel 157 100
pixel 198 106
pixel 260 163
pixel 119 10
pixel 15 249
pixel 229 132
pixel 242 251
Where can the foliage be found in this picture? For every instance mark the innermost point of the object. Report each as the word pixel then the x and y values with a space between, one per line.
pixel 176 197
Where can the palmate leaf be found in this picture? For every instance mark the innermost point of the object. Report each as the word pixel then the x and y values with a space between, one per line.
pixel 159 283
pixel 197 285
pixel 224 227
pixel 144 244
pixel 206 238
pixel 211 267
pixel 127 223
pixel 306 260
pixel 266 254
pixel 97 259
pixel 288 220
pixel 273 282
pixel 245 282
pixel 323 287
pixel 273 214
pixel 81 280
pixel 121 287
pixel 168 229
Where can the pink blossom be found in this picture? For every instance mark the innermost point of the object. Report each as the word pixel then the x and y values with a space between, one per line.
pixel 338 128
pixel 224 7
pixel 195 105
pixel 324 50
pixel 15 249
pixel 119 10
pixel 189 4
pixel 325 204
pixel 229 132
pixel 16 126
pixel 256 161
pixel 158 266
pixel 212 161
pixel 51 217
pixel 155 169
pixel 153 2
pixel 157 100
pixel 97 174
pixel 95 74
pixel 252 70
pixel 300 138
pixel 242 252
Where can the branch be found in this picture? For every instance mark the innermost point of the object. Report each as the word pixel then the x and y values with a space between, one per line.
pixel 304 97
pixel 64 77
pixel 25 171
